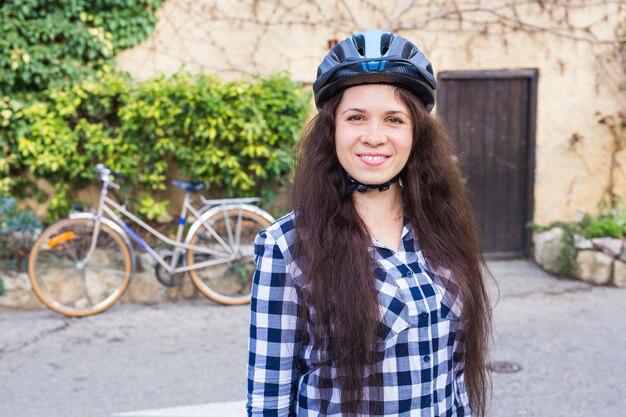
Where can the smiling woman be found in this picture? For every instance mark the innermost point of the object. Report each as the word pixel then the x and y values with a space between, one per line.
pixel 368 299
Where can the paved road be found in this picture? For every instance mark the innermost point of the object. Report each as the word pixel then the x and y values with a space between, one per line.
pixel 188 358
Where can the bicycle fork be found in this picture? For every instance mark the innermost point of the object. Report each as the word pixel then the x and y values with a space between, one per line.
pixel 96 231
pixel 178 252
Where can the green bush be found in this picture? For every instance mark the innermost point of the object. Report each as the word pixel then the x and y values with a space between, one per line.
pixel 238 136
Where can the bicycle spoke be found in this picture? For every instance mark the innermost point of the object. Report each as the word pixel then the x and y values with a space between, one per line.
pixel 238 230
pixel 84 288
pixel 228 229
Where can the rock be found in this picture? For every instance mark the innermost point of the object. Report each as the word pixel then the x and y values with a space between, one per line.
pixel 189 290
pixel 581 243
pixel 18 293
pixel 145 289
pixel 18 281
pixel 145 261
pixel 622 256
pixel 184 289
pixel 619 274
pixel 548 247
pixel 608 245
pixel 594 267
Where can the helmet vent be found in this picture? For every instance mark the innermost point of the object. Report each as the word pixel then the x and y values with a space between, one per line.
pixel 407 51
pixel 339 54
pixel 385 41
pixel 429 68
pixel 359 42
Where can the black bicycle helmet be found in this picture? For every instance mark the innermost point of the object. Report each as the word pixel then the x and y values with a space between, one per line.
pixel 375 56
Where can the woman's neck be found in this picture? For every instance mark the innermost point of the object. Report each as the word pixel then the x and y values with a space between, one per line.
pixel 383 214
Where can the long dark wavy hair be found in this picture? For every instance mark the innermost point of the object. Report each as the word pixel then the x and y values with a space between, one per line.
pixel 332 250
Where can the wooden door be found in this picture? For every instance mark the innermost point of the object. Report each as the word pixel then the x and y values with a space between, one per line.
pixel 491 118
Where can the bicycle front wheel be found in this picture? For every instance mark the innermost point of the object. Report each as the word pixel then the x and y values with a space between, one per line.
pixel 67 284
pixel 226 278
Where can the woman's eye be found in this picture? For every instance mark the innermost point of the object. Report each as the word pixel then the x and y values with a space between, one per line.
pixel 356 117
pixel 395 120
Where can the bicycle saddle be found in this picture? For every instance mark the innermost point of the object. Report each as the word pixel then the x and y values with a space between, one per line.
pixel 187 186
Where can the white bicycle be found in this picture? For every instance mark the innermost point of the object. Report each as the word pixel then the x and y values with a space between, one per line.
pixel 82 265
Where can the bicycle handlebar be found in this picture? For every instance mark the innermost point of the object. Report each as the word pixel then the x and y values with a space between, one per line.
pixel 101 169
pixel 104 172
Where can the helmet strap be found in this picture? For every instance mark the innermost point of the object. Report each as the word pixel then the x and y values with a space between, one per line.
pixel 352 184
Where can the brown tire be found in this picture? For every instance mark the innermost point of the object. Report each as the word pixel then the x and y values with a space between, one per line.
pixel 67 287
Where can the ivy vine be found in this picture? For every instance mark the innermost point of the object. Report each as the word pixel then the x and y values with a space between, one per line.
pixel 54 43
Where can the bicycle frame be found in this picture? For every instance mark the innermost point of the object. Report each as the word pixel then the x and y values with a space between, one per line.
pixel 107 207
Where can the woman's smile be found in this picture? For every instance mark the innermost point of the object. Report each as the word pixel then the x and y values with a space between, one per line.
pixel 373 159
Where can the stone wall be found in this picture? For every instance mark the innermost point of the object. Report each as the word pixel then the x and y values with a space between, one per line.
pixel 144 288
pixel 599 261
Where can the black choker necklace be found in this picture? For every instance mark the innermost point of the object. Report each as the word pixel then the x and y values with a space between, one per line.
pixel 353 184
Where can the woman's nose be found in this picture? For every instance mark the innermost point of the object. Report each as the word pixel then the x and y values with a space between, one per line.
pixel 374 136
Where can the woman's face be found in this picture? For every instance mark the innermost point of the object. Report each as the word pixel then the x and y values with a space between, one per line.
pixel 373 133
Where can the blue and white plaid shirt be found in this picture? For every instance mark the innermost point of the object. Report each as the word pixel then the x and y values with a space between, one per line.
pixel 422 347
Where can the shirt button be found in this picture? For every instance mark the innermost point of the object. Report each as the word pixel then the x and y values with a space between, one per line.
pixel 408 274
pixel 380 274
pixel 424 315
pixel 426 358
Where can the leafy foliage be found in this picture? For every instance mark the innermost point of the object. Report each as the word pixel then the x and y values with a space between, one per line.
pixel 602 227
pixel 53 43
pixel 17 231
pixel 238 136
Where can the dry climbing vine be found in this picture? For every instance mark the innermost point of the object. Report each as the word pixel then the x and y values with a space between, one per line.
pixel 273 21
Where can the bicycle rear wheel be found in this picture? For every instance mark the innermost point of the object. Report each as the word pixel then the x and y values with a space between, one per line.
pixel 230 230
pixel 60 279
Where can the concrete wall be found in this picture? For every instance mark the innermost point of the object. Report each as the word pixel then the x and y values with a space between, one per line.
pixel 578 78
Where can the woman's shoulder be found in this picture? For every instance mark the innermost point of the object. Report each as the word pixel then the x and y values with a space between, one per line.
pixel 283 225
pixel 281 232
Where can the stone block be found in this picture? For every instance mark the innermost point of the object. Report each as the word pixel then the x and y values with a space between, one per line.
pixel 17 281
pixel 608 245
pixel 184 289
pixel 594 267
pixel 19 293
pixel 581 243
pixel 145 262
pixel 622 256
pixel 619 274
pixel 145 289
pixel 548 246
pixel 188 289
pixel 20 300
